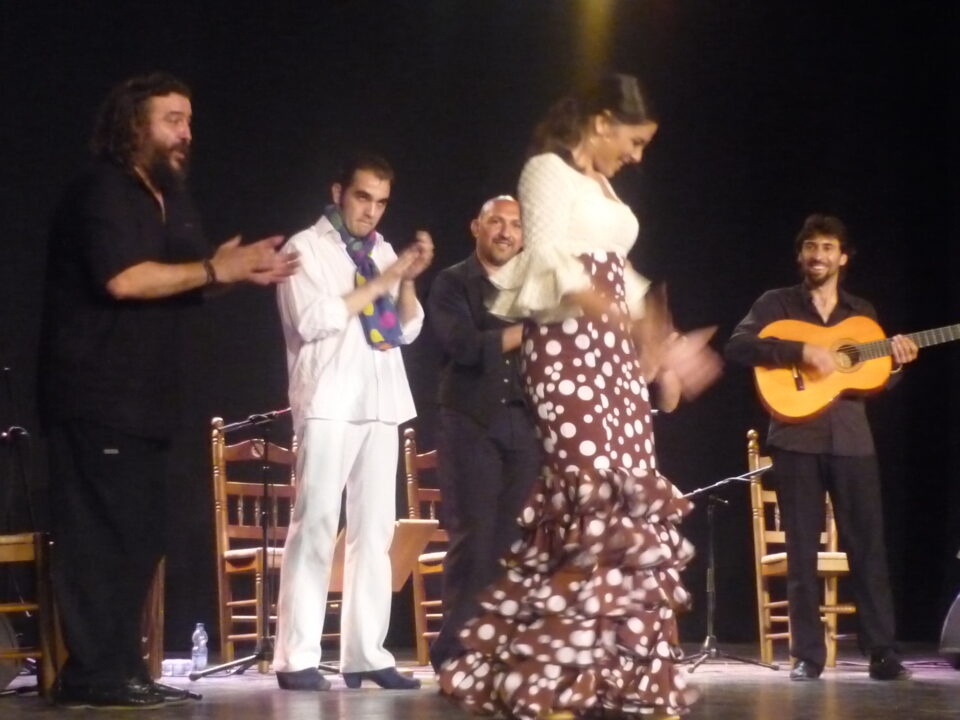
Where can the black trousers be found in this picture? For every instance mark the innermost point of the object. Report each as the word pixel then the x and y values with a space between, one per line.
pixel 106 492
pixel 854 487
pixel 485 476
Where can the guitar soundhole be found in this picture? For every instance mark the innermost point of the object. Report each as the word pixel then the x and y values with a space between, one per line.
pixel 848 357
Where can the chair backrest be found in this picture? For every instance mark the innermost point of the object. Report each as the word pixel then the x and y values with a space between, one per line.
pixel 238 503
pixel 767 529
pixel 423 503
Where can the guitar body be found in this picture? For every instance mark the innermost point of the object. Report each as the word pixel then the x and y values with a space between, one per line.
pixel 794 400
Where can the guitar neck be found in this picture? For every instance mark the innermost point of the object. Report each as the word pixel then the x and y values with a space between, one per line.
pixel 924 338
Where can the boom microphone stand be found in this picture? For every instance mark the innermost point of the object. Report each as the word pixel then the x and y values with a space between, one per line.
pixel 710 649
pixel 263 652
pixel 11 435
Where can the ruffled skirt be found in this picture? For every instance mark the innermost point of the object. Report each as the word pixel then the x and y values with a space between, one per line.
pixel 584 618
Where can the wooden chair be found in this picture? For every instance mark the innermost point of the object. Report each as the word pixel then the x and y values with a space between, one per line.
pixel 771 562
pixel 34 548
pixel 423 503
pixel 237 512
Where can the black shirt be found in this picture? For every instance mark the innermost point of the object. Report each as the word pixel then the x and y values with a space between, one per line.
pixel 478 377
pixel 841 429
pixel 106 360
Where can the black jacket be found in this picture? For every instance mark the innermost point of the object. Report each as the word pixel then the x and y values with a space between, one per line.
pixel 477 377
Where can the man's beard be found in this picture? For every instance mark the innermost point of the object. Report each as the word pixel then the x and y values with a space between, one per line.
pixel 816 282
pixel 161 171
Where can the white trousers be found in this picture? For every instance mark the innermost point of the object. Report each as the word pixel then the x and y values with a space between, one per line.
pixel 333 454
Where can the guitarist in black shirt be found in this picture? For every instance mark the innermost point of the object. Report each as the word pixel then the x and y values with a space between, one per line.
pixel 830 452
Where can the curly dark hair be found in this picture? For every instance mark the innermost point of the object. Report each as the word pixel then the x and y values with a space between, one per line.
pixel 122 116
pixel 565 122
pixel 820 225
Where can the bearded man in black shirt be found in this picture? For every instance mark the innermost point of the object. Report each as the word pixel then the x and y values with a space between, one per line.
pixel 831 452
pixel 127 258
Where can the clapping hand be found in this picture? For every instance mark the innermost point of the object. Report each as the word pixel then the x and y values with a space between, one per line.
pixel 421 255
pixel 259 262
pixel 688 357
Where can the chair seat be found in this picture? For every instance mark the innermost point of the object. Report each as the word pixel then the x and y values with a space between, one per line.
pixel 828 563
pixel 247 553
pixel 247 560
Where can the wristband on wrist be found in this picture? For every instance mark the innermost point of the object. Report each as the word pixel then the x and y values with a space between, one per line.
pixel 208 269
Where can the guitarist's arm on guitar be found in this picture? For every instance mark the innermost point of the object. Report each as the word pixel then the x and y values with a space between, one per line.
pixel 746 347
pixel 821 360
pixel 802 366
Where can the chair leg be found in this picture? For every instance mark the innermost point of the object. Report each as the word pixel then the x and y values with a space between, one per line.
pixel 152 621
pixel 763 620
pixel 262 608
pixel 264 666
pixel 49 638
pixel 830 620
pixel 225 594
pixel 420 618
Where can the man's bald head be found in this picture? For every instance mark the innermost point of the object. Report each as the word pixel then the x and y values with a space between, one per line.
pixel 498 231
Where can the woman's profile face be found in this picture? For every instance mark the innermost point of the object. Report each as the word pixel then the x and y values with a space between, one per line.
pixel 620 144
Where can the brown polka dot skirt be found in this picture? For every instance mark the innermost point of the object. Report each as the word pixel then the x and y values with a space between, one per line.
pixel 584 617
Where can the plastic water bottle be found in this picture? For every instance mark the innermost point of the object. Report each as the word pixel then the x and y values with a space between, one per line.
pixel 199 654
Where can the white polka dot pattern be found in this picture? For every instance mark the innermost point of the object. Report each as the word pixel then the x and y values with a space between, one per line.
pixel 584 617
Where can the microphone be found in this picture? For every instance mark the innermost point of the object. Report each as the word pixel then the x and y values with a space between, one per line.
pixel 267 416
pixel 256 419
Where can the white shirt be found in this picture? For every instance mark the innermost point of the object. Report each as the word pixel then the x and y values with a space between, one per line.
pixel 565 215
pixel 335 374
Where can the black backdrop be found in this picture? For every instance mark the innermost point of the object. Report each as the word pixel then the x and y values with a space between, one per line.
pixel 770 110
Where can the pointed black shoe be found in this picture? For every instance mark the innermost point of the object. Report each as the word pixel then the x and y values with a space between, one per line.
pixel 170 694
pixel 887 666
pixel 805 670
pixel 122 697
pixel 387 678
pixel 306 679
pixel 173 693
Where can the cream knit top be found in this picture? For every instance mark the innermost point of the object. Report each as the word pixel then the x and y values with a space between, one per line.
pixel 565 214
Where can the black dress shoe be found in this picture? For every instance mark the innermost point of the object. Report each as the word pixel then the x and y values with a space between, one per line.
pixel 174 694
pixel 170 694
pixel 387 678
pixel 306 679
pixel 887 666
pixel 114 697
pixel 805 670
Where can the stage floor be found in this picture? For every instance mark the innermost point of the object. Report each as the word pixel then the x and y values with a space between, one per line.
pixel 731 691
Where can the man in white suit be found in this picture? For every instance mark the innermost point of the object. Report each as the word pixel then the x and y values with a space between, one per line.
pixel 345 313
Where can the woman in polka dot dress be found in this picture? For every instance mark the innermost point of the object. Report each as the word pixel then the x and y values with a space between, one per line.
pixel 582 624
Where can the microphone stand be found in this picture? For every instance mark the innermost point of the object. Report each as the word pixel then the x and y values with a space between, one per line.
pixel 710 649
pixel 11 435
pixel 263 651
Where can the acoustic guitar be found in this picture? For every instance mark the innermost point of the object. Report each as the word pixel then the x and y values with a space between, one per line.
pixel 861 350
